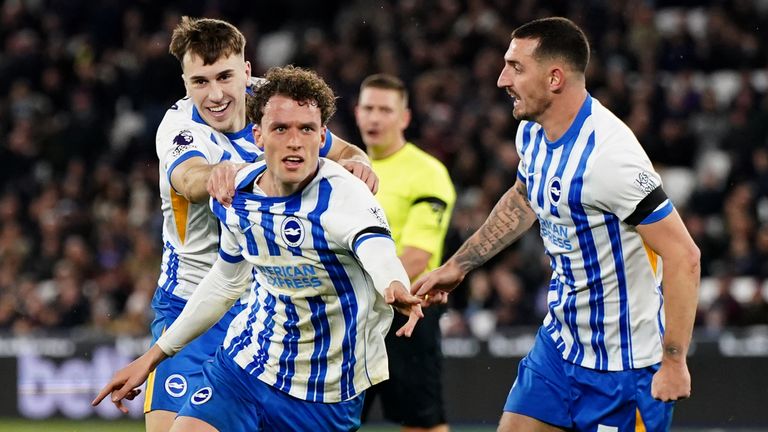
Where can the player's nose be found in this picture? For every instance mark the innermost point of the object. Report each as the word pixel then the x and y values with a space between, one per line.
pixel 215 92
pixel 504 80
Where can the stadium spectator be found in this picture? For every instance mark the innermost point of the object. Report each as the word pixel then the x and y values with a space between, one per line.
pixel 103 51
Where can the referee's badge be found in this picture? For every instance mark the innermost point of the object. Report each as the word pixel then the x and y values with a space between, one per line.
pixel 554 190
pixel 292 231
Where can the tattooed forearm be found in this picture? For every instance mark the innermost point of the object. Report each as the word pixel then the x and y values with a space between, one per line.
pixel 509 219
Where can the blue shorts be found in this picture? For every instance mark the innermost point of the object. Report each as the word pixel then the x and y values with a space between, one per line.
pixel 233 400
pixel 170 385
pixel 563 394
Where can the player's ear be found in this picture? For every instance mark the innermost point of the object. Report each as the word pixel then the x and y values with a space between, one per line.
pixel 256 131
pixel 556 79
pixel 323 133
pixel 248 70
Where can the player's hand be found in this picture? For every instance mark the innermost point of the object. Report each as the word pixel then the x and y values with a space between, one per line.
pixel 409 305
pixel 125 382
pixel 221 182
pixel 363 171
pixel 433 287
pixel 672 381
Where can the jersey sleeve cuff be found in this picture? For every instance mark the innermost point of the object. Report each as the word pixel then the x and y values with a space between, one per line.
pixel 232 259
pixel 648 206
pixel 369 233
pixel 660 213
pixel 182 158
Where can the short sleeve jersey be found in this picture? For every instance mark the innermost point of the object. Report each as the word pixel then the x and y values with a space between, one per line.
pixel 190 231
pixel 589 190
pixel 315 325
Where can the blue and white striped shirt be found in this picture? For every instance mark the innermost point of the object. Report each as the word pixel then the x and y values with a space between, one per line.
pixel 315 325
pixel 589 189
pixel 190 231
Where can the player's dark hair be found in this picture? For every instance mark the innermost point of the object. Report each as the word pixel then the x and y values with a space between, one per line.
pixel 299 84
pixel 207 38
pixel 558 37
pixel 386 82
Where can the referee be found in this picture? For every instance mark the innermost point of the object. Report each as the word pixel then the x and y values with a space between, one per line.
pixel 417 196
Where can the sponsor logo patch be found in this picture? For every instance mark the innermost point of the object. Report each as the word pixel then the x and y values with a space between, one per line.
pixel 645 182
pixel 183 138
pixel 378 213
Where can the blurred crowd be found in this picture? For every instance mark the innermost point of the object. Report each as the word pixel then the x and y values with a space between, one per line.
pixel 83 86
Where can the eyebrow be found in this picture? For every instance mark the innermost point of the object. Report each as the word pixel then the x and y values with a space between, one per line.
pixel 287 124
pixel 198 77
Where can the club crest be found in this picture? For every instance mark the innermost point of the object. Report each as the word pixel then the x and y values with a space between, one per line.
pixel 292 231
pixel 555 190
pixel 176 385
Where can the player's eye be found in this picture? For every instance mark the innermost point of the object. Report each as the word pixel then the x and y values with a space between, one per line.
pixel 225 77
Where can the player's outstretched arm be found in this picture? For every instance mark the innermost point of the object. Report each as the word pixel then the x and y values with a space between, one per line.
pixel 193 179
pixel 355 160
pixel 125 382
pixel 670 239
pixel 434 286
pixel 409 305
pixel 221 181
pixel 509 219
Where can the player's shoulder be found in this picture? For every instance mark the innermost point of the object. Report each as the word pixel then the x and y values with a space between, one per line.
pixel 181 110
pixel 340 178
pixel 179 127
pixel 180 116
pixel 608 127
pixel 331 170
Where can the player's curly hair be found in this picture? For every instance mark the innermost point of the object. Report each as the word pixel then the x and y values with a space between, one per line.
pixel 208 38
pixel 296 83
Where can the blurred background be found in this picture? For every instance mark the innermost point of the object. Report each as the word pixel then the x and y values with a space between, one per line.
pixel 83 86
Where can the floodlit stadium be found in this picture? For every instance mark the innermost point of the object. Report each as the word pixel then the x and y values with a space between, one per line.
pixel 85 86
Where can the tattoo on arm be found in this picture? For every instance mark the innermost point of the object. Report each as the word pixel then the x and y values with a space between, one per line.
pixel 509 219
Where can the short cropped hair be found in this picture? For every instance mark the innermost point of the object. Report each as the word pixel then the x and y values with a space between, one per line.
pixel 558 37
pixel 386 82
pixel 208 38
pixel 299 84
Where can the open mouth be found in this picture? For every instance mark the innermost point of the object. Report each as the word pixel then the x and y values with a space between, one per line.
pixel 218 110
pixel 293 162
